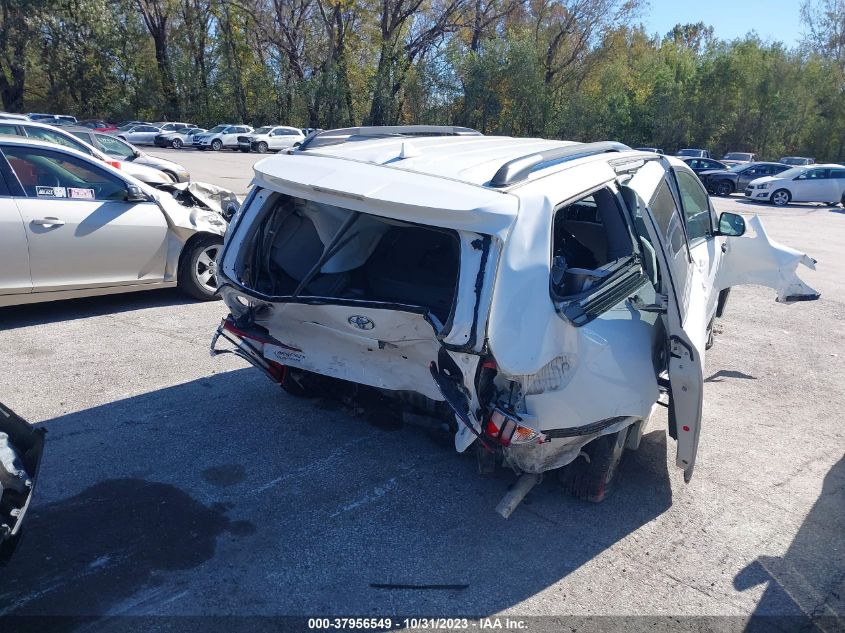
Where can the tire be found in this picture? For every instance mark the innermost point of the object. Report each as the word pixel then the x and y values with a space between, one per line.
pixel 842 202
pixel 245 151
pixel 217 145
pixel 261 148
pixel 176 143
pixel 780 198
pixel 594 480
pixel 197 260
pixel 724 188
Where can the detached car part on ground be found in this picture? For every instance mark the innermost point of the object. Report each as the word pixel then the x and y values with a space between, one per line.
pixel 540 295
pixel 21 448
pixel 71 226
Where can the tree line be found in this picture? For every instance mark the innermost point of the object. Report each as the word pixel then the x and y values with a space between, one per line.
pixel 575 69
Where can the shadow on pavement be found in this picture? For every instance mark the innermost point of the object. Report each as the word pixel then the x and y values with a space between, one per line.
pixel 51 311
pixel 809 579
pixel 226 496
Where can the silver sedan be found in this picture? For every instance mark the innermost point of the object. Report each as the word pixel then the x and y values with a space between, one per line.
pixel 72 226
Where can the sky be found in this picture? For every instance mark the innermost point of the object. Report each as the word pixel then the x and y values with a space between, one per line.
pixel 771 19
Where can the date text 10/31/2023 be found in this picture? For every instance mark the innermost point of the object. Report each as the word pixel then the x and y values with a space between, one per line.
pixel 418 624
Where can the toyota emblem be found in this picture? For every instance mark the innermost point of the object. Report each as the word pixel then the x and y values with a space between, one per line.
pixel 361 322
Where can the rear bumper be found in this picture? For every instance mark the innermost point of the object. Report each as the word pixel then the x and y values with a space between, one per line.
pixel 21 449
pixel 249 348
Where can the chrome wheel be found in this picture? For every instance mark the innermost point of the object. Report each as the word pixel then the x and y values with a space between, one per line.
pixel 723 188
pixel 177 143
pixel 780 197
pixel 205 268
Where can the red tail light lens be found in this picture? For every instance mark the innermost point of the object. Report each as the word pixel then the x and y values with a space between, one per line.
pixel 506 429
pixel 114 163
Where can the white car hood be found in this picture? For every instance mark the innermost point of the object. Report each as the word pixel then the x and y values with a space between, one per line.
pixel 760 181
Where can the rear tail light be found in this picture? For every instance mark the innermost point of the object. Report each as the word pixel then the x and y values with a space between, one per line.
pixel 114 163
pixel 505 428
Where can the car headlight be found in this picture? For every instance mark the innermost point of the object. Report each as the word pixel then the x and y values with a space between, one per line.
pixel 765 185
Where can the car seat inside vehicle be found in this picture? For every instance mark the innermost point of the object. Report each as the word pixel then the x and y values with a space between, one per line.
pixel 372 259
pixel 589 236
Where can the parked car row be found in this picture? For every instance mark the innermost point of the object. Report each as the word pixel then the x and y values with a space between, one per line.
pixel 148 169
pixel 730 158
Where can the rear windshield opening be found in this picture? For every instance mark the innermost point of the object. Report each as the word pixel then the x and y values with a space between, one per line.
pixel 590 238
pixel 361 257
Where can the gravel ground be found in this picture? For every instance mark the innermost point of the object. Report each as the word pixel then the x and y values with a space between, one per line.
pixel 178 484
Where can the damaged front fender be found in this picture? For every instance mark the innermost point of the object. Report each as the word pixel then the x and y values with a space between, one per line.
pixel 761 261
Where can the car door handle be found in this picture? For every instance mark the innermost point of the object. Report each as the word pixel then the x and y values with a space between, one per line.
pixel 724 247
pixel 48 222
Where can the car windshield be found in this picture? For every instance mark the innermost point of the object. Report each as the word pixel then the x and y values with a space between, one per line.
pixel 737 156
pixel 263 130
pixel 794 160
pixel 792 173
pixel 689 152
pixel 126 128
pixel 217 128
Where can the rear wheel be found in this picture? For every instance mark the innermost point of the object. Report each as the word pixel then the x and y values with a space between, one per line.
pixel 724 188
pixel 217 145
pixel 176 143
pixel 780 198
pixel 262 147
pixel 593 480
pixel 198 268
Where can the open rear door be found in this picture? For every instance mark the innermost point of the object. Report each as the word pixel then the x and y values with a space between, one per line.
pixel 658 217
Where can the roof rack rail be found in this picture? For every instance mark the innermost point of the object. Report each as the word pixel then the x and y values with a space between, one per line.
pixel 342 135
pixel 517 169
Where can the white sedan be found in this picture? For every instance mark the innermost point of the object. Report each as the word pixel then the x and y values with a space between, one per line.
pixel 813 183
pixel 72 226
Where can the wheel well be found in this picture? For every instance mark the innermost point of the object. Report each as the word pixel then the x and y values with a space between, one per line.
pixel 187 246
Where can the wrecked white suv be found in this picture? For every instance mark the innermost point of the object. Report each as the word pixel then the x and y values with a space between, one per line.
pixel 539 294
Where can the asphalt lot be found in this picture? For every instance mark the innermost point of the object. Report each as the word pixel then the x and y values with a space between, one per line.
pixel 178 484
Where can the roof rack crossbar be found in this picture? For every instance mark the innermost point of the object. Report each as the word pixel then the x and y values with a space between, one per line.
pixel 342 135
pixel 518 169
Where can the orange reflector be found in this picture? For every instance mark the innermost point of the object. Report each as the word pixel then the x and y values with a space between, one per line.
pixel 114 163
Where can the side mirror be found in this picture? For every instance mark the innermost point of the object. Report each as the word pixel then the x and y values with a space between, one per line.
pixel 135 194
pixel 731 225
pixel 137 153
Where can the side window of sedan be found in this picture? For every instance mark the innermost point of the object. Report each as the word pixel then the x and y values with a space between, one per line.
pixel 53 137
pixel 814 174
pixel 695 206
pixel 8 128
pixel 46 174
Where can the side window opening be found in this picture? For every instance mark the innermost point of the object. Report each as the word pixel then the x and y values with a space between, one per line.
pixel 43 173
pixel 589 238
pixel 696 207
